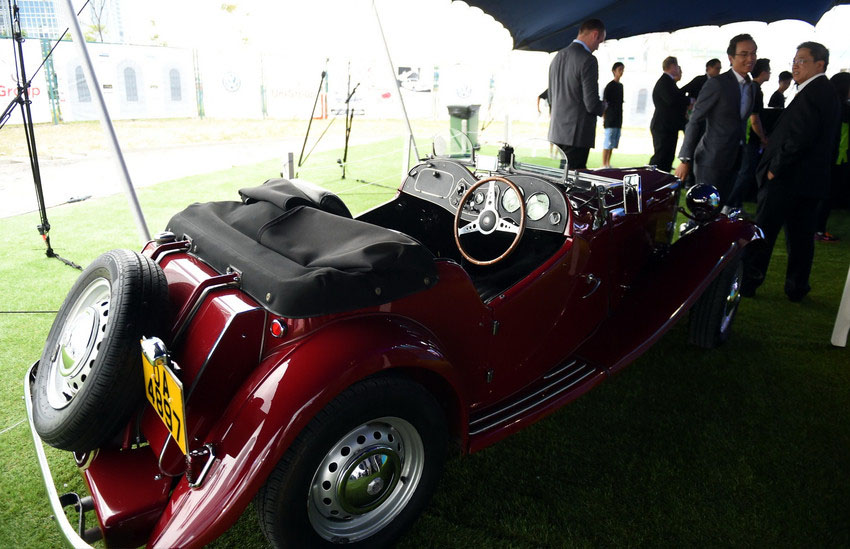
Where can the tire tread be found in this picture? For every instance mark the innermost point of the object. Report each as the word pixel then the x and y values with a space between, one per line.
pixel 114 388
pixel 706 314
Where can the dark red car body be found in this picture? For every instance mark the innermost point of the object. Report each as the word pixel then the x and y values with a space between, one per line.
pixel 611 286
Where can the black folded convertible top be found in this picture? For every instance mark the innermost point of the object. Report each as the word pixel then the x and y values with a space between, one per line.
pixel 304 261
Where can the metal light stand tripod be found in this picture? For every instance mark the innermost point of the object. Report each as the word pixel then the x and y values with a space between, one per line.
pixel 23 99
pixel 349 119
pixel 301 158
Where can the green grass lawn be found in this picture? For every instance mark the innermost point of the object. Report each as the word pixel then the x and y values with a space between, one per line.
pixel 746 445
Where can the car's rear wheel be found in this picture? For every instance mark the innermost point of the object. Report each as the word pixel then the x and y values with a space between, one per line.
pixel 712 316
pixel 361 472
pixel 89 376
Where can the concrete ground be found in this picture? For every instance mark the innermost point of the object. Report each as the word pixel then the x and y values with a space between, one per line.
pixel 76 161
pixel 68 178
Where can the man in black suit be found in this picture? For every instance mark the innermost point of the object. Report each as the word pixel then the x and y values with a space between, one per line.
pixel 669 116
pixel 725 103
pixel 692 88
pixel 777 100
pixel 793 174
pixel 574 94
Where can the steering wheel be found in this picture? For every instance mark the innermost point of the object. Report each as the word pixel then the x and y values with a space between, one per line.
pixel 488 220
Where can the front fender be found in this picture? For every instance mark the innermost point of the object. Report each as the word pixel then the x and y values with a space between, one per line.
pixel 667 290
pixel 276 403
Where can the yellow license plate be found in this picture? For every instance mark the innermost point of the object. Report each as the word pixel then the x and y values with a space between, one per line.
pixel 165 393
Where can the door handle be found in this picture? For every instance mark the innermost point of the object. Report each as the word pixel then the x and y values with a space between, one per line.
pixel 592 280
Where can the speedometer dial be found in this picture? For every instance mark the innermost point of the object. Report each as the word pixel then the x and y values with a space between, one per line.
pixel 537 206
pixel 510 200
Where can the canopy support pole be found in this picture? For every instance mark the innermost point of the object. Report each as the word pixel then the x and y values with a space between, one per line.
pixel 395 79
pixel 842 319
pixel 106 121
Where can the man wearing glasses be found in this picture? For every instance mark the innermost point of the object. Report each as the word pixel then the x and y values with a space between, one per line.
pixel 724 103
pixel 794 172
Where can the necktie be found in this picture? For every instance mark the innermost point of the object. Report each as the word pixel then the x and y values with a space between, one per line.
pixel 745 95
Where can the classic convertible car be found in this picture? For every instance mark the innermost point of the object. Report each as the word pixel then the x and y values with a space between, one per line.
pixel 277 349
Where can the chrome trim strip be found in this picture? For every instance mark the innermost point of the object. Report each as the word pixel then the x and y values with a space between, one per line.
pixel 514 403
pixel 531 406
pixel 599 179
pixel 67 530
pixel 476 426
pixel 557 371
pixel 672 186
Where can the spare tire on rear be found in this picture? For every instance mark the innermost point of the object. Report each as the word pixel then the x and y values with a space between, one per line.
pixel 89 378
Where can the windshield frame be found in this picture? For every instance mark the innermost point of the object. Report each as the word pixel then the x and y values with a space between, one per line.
pixel 528 168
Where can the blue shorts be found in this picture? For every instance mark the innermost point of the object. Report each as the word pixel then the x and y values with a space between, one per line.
pixel 612 138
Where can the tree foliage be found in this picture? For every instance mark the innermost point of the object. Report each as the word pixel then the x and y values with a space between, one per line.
pixel 96 12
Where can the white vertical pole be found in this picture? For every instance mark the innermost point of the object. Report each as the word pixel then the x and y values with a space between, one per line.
pixel 842 319
pixel 290 166
pixel 395 79
pixel 405 162
pixel 105 120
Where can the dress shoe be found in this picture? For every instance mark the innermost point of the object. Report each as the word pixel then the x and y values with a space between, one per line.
pixel 796 296
pixel 826 237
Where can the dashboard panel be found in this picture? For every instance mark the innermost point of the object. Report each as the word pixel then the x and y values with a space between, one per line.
pixel 444 182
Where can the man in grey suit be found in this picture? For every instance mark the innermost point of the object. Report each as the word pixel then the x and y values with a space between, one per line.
pixel 725 103
pixel 574 94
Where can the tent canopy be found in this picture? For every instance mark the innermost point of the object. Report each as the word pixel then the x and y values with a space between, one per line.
pixel 549 25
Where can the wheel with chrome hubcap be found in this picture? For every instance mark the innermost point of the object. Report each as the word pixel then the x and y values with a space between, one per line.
pixel 363 485
pixel 89 377
pixel 79 344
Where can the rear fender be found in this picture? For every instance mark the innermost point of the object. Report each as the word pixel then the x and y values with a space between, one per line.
pixel 276 403
pixel 667 291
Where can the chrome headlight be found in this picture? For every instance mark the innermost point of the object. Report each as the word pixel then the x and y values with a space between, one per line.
pixel 703 201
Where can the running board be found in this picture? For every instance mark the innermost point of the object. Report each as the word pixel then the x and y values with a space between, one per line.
pixel 551 386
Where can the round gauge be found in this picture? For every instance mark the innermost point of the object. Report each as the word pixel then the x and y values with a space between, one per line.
pixel 479 197
pixel 537 206
pixel 510 200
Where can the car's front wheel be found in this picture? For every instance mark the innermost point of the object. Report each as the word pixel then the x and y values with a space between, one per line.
pixel 712 316
pixel 361 472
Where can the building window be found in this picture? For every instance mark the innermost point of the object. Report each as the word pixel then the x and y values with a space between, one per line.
pixel 174 77
pixel 130 84
pixel 641 101
pixel 83 94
